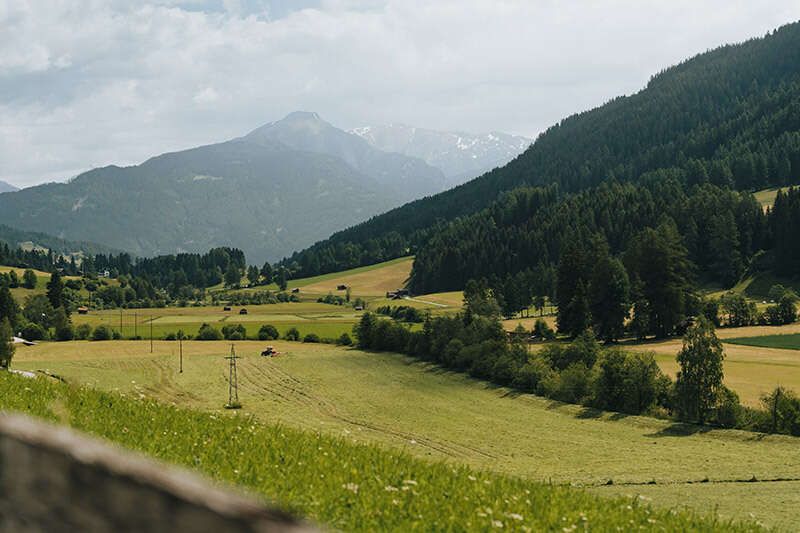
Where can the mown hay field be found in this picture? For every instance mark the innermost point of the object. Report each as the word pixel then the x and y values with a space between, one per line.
pixel 340 484
pixel 430 413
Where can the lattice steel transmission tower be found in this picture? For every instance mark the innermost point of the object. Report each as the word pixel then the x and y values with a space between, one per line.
pixel 233 383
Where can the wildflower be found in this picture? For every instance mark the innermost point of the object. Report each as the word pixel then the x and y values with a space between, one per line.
pixel 514 516
pixel 472 478
pixel 497 523
pixel 352 487
pixel 389 488
pixel 409 482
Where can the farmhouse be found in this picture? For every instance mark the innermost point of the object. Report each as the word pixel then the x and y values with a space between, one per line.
pixel 83 310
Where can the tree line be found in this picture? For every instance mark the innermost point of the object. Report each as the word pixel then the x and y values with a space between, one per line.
pixel 584 371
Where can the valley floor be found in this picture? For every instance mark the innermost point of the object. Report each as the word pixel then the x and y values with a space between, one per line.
pixel 432 413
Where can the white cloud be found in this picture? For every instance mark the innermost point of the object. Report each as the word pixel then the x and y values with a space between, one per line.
pixel 89 83
pixel 206 96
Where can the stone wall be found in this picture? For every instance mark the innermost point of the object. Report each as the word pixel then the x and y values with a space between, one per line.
pixel 54 479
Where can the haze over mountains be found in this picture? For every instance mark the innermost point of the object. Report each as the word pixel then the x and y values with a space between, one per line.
pixel 403 177
pixel 461 156
pixel 278 189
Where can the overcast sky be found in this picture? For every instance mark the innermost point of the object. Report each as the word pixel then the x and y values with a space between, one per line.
pixel 92 83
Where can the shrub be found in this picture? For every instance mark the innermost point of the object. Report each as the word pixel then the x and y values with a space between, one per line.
pixel 531 374
pixel 64 332
pixel 171 336
pixel 344 340
pixel 208 332
pixel 102 333
pixel 268 332
pixel 83 332
pixel 729 410
pixel 292 334
pixel 34 332
pixel 311 337
pixel 116 335
pixel 229 331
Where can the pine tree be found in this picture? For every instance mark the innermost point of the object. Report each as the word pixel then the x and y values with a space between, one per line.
pixel 609 298
pixel 7 347
pixel 9 309
pixel 55 290
pixel 572 273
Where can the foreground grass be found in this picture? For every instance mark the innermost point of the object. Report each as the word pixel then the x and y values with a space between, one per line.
pixel 346 486
pixel 783 342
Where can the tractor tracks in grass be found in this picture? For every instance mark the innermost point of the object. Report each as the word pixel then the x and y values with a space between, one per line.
pixel 265 377
pixel 706 481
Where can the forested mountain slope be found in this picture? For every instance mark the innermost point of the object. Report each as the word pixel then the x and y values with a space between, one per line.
pixel 256 197
pixel 730 117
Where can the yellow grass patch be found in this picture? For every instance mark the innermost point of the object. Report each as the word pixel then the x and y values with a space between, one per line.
pixel 375 282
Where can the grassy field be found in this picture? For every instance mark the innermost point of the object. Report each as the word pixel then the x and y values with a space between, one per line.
pixel 783 342
pixel 447 416
pixel 325 320
pixel 766 197
pixel 343 485
pixel 750 370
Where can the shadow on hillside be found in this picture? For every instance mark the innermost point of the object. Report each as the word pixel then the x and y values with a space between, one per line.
pixel 680 429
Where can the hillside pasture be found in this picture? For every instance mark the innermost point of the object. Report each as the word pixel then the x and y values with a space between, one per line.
pixel 448 416
pixel 766 197
pixel 20 293
pixel 374 280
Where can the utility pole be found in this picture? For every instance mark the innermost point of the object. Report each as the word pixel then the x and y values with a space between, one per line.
pixel 180 345
pixel 120 321
pixel 135 326
pixel 233 384
pixel 151 333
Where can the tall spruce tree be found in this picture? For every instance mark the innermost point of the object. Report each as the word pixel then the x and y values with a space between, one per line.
pixel 609 298
pixel 657 258
pixel 572 278
pixel 55 290
pixel 7 347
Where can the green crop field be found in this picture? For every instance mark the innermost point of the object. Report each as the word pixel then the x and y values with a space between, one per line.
pixel 433 414
pixel 783 342
pixel 341 484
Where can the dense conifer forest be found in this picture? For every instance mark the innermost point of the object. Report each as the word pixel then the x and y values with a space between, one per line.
pixel 724 121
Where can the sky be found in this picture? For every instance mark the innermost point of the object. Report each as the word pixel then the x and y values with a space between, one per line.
pixel 88 83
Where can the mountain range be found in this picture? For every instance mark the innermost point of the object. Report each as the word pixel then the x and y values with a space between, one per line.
pixel 275 190
pixel 461 156
pixel 7 187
